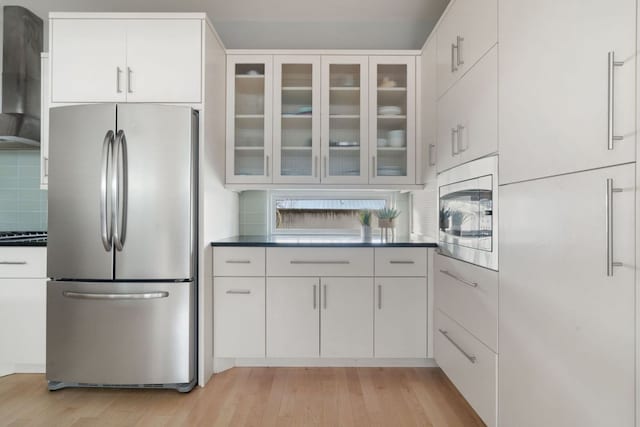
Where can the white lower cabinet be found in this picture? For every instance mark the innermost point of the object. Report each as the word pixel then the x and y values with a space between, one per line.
pixel 238 323
pixel 470 365
pixel 346 319
pixel 401 317
pixel 22 325
pixel 293 321
pixel 567 325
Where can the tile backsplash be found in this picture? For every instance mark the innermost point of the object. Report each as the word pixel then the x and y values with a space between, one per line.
pixel 23 205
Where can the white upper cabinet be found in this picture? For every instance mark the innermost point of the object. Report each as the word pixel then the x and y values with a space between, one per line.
pixel 88 60
pixel 249 118
pixel 120 60
pixel 468 115
pixel 467 31
pixel 567 324
pixel 392 102
pixel 344 119
pixel 296 125
pixel 558 113
pixel 164 60
pixel 427 115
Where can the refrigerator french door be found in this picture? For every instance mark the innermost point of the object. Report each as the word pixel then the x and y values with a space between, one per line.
pixel 121 246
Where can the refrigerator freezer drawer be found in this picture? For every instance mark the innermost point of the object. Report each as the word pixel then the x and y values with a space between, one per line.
pixel 120 333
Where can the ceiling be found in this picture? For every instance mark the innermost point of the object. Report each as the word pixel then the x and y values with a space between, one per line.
pixel 287 24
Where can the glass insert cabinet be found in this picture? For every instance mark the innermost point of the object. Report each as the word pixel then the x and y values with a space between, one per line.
pixel 319 119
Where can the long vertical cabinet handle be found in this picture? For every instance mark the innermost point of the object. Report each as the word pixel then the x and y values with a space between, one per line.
pixel 459 59
pixel 612 63
pixel 266 166
pixel 119 181
pixel 460 140
pixel 324 296
pixel 118 85
pixel 379 297
pixel 432 160
pixel 315 301
pixel 609 220
pixel 373 167
pixel 454 68
pixel 454 142
pixel 129 78
pixel 106 162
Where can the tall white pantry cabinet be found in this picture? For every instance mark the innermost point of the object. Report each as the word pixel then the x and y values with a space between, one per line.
pixel 568 302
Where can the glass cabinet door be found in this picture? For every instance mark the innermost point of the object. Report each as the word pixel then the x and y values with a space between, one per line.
pixel 344 119
pixel 296 127
pixel 392 120
pixel 249 88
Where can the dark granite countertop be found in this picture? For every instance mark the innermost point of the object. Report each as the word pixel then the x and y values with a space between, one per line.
pixel 323 241
pixel 37 244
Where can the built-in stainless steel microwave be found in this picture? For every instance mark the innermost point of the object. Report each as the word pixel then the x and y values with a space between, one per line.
pixel 468 215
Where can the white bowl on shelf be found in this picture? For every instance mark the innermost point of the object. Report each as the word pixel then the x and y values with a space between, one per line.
pixel 382 142
pixel 389 110
pixel 397 138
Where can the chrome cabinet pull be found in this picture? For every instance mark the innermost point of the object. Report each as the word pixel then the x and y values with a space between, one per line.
pixel 238 261
pixel 266 166
pixel 379 297
pixel 315 304
pixel 461 147
pixel 319 262
pixel 105 222
pixel 461 280
pixel 127 296
pixel 454 68
pixel 46 166
pixel 324 297
pixel 454 142
pixel 401 262
pixel 129 78
pixel 469 357
pixel 459 59
pixel 609 224
pixel 13 262
pixel 239 291
pixel 612 63
pixel 118 74
pixel 315 166
pixel 432 160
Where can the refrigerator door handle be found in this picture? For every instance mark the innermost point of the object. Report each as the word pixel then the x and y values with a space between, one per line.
pixel 115 296
pixel 118 183
pixel 106 230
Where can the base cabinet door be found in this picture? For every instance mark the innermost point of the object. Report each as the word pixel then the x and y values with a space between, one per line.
pixel 346 317
pixel 567 300
pixel 400 317
pixel 238 308
pixel 293 320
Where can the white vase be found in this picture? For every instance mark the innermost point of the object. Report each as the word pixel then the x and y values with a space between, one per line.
pixel 365 232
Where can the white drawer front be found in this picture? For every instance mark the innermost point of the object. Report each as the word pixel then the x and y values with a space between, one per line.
pixel 401 262
pixel 316 262
pixel 239 316
pixel 469 295
pixel 238 261
pixel 17 261
pixel 469 364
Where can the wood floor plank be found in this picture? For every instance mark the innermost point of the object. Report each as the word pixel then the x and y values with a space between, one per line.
pixel 251 397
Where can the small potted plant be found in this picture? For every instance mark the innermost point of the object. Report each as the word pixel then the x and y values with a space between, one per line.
pixel 387 223
pixel 365 222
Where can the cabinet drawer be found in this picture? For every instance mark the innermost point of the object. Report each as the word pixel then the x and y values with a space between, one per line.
pixel 469 364
pixel 467 31
pixel 241 261
pixel 238 313
pixel 407 262
pixel 469 295
pixel 26 262
pixel 328 262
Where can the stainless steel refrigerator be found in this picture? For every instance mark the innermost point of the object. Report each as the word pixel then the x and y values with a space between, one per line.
pixel 121 302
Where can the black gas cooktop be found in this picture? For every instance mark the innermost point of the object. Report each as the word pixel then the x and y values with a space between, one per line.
pixel 23 238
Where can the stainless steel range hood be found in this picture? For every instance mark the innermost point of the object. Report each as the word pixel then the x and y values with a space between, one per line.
pixel 20 90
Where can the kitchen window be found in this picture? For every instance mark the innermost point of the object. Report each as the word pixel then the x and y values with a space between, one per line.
pixel 323 213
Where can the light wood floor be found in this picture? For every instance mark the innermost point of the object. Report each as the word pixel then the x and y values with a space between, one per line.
pixel 250 397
